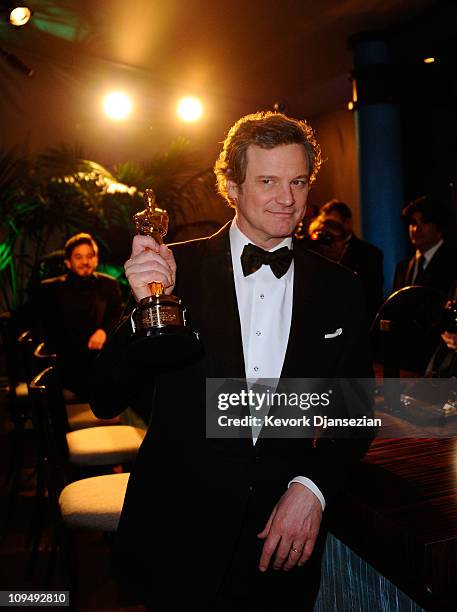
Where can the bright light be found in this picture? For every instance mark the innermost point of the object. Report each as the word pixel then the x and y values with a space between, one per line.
pixel 117 105
pixel 429 60
pixel 190 109
pixel 20 15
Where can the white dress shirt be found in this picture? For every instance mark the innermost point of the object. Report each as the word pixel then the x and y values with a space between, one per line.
pixel 265 309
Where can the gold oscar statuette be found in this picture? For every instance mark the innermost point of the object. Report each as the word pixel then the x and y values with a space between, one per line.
pixel 159 319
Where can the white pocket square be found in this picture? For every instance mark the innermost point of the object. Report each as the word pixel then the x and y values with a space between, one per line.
pixel 336 333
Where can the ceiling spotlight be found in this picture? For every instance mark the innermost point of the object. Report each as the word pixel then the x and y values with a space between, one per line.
pixel 20 15
pixel 190 109
pixel 117 105
pixel 429 60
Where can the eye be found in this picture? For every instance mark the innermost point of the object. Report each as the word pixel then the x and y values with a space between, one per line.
pixel 267 181
pixel 301 183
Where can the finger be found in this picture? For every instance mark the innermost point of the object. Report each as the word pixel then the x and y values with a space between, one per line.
pixel 149 257
pixel 167 254
pixel 149 261
pixel 307 551
pixel 266 530
pixel 294 556
pixel 143 278
pixel 267 551
pixel 140 243
pixel 282 553
pixel 152 268
pixel 152 265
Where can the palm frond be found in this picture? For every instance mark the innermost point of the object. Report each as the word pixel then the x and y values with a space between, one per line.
pixel 68 161
pixel 62 191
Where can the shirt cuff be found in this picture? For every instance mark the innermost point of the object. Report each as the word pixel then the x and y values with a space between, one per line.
pixel 306 482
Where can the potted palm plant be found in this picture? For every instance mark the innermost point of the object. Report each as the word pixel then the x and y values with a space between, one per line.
pixel 45 199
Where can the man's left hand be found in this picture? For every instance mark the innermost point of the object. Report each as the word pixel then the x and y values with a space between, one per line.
pixel 292 529
pixel 97 340
pixel 450 339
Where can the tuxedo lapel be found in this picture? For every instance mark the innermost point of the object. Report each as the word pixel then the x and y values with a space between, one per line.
pixel 221 316
pixel 305 316
pixel 410 271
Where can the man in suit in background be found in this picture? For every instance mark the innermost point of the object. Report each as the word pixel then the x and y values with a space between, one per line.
pixel 234 522
pixel 434 263
pixel 363 258
pixel 75 311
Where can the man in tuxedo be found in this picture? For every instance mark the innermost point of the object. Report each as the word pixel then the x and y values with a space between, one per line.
pixel 235 523
pixel 363 258
pixel 434 263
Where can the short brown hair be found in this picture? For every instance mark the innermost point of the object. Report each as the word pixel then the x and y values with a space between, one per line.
pixel 430 207
pixel 77 240
pixel 338 206
pixel 267 130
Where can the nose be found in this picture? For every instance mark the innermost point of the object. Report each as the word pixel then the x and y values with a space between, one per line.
pixel 286 195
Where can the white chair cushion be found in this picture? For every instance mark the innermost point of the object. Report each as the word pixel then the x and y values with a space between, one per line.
pixel 106 445
pixel 80 416
pixel 94 503
pixel 22 390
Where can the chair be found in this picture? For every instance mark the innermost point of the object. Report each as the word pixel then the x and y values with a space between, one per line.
pixel 93 503
pixel 94 446
pixel 44 356
pixel 75 453
pixel 79 414
pixel 405 333
pixel 406 330
pixel 16 357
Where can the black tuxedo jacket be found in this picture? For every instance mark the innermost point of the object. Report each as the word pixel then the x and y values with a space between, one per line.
pixel 366 261
pixel 188 496
pixel 440 273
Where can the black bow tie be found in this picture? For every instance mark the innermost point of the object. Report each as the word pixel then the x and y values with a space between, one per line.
pixel 253 258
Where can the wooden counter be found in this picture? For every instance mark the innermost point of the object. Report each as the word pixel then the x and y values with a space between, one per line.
pixel 400 515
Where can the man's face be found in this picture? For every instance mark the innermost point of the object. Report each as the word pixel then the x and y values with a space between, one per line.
pixel 328 237
pixel 335 216
pixel 83 260
pixel 272 199
pixel 423 235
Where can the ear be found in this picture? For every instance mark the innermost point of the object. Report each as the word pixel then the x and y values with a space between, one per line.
pixel 232 190
pixel 67 263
